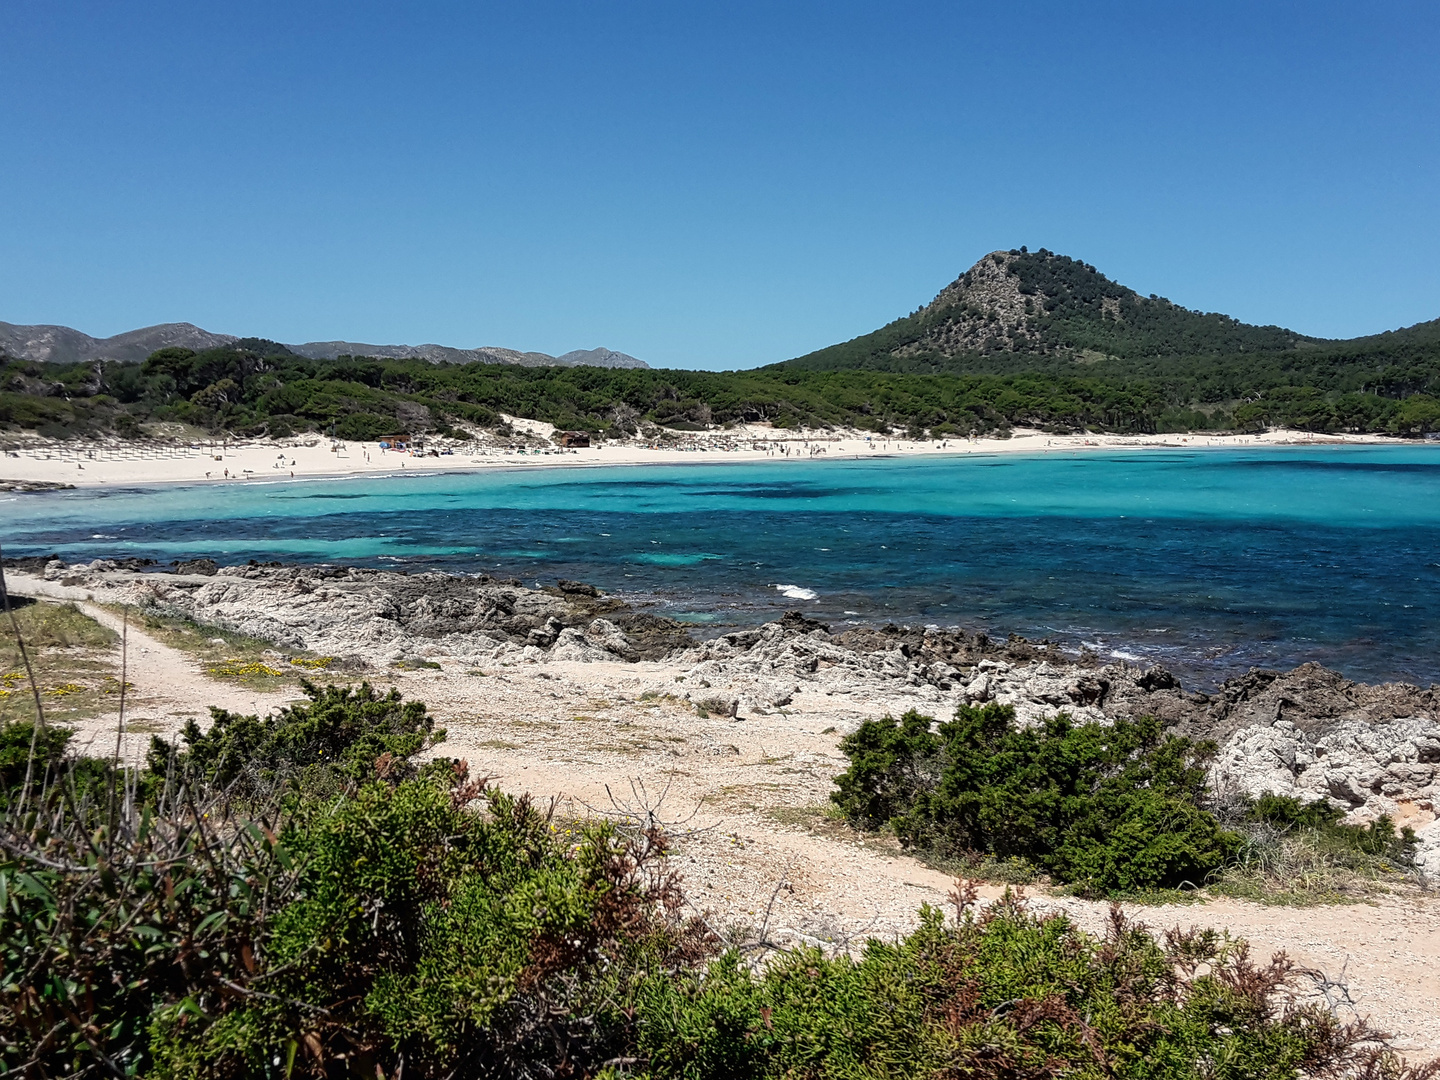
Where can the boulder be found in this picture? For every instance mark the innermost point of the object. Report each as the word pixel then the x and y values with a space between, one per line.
pixel 604 634
pixel 572 645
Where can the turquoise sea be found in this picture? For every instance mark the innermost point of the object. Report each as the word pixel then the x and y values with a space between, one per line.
pixel 1210 561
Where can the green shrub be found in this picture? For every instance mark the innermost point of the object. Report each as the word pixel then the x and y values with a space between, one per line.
pixel 342 735
pixel 364 426
pixel 361 918
pixel 423 931
pixel 1109 808
pixel 283 426
pixel 1288 814
pixel 1000 994
pixel 18 741
pixel 42 755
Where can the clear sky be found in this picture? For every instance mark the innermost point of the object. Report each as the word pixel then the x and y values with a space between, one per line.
pixel 704 185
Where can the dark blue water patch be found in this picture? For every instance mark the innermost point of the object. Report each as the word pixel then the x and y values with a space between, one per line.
pixel 1424 467
pixel 791 491
pixel 803 489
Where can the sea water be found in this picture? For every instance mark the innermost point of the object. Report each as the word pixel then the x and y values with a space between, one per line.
pixel 1210 561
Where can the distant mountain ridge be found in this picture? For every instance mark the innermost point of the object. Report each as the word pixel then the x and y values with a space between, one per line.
pixel 1013 304
pixel 64 345
pixel 444 354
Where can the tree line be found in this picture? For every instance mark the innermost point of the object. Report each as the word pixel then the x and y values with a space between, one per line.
pixel 257 388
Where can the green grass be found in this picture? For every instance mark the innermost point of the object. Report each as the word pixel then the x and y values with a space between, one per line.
pixel 231 656
pixel 72 658
pixel 58 626
pixel 1306 869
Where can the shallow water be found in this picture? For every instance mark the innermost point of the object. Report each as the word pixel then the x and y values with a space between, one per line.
pixel 1211 561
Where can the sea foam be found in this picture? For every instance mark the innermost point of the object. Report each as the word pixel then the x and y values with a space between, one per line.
pixel 795 592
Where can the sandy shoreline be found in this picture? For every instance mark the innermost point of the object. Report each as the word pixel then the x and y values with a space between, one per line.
pixel 88 465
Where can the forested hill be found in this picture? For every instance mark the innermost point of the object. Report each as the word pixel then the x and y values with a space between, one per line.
pixel 1037 318
pixel 1024 310
pixel 255 388
pixel 1032 339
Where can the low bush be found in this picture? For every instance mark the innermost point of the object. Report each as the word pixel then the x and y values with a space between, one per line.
pixel 1287 814
pixel 1304 853
pixel 1107 808
pixel 24 750
pixel 450 939
pixel 1001 993
pixel 341 735
pixel 41 756
pixel 109 931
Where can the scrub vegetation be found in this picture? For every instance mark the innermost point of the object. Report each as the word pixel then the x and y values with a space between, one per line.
pixel 303 896
pixel 1117 810
pixel 72 656
pixel 1109 808
pixel 1302 853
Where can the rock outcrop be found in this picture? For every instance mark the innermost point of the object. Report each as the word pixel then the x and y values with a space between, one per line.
pixel 377 616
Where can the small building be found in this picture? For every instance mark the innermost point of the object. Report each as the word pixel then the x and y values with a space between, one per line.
pixel 572 439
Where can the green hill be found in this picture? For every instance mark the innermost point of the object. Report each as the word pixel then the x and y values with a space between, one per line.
pixel 1046 320
pixel 1024 310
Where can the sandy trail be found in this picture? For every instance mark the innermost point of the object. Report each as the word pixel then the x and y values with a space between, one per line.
pixel 168 687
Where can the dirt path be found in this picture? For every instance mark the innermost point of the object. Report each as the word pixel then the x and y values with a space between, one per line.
pixel 168 687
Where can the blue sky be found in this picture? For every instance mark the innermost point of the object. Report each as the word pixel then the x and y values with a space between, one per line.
pixel 704 185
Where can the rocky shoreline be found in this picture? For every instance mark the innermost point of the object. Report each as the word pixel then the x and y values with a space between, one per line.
pixel 32 487
pixel 1310 732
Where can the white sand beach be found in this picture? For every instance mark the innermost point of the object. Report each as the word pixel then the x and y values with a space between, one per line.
pixel 96 464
